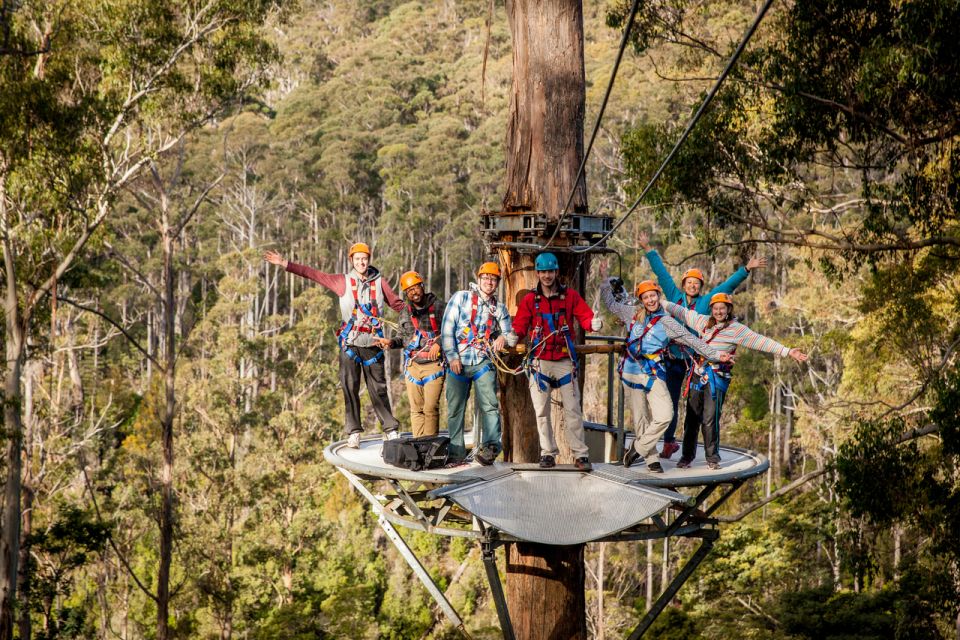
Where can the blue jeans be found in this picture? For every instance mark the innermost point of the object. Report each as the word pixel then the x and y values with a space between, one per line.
pixel 458 392
pixel 676 373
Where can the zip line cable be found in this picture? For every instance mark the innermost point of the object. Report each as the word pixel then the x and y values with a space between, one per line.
pixel 596 126
pixel 693 122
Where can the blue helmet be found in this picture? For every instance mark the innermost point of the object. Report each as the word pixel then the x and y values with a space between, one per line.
pixel 547 262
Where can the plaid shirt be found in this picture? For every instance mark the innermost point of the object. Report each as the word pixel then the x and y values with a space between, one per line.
pixel 456 324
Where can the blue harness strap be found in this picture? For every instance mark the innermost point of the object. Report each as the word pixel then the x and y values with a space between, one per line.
pixel 476 376
pixel 414 346
pixel 365 363
pixel 369 310
pixel 420 382
pixel 703 373
pixel 543 380
pixel 653 368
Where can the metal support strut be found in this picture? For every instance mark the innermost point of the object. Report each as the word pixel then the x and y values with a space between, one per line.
pixel 408 555
pixel 496 589
pixel 710 535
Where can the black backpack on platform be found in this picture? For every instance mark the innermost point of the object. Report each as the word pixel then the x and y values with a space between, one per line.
pixel 416 454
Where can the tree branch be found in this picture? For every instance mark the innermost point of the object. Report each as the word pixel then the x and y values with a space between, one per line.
pixel 126 335
pixel 782 491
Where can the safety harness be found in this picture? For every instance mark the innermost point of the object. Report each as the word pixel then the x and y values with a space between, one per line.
pixel 471 335
pixel 651 363
pixel 414 350
pixel 717 375
pixel 372 325
pixel 555 323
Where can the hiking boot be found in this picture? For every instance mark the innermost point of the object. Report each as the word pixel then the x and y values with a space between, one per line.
pixel 655 467
pixel 583 464
pixel 684 463
pixel 669 448
pixel 353 440
pixel 452 464
pixel 392 435
pixel 485 456
pixel 630 457
pixel 547 462
pixel 713 465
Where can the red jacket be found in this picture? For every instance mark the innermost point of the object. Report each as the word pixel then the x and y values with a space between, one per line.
pixel 573 306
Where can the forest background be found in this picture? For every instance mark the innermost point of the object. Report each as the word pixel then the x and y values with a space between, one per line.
pixel 167 394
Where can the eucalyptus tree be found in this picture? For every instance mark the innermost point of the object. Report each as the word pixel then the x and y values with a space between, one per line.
pixel 83 82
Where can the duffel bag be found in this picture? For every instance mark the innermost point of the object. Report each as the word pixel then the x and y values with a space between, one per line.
pixel 416 454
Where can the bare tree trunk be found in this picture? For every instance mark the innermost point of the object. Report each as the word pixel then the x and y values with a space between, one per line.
pixel 166 427
pixel 649 574
pixel 13 436
pixel 601 562
pixel 545 585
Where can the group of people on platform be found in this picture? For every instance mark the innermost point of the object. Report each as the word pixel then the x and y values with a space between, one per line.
pixel 680 342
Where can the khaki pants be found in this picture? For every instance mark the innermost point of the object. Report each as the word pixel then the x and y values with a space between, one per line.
pixel 652 413
pixel 572 412
pixel 424 399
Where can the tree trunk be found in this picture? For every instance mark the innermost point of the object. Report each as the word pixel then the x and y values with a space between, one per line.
pixel 13 436
pixel 545 585
pixel 166 427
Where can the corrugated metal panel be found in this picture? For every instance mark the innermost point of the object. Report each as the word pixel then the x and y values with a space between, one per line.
pixel 558 508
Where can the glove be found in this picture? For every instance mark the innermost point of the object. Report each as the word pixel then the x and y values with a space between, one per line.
pixel 512 339
pixel 596 324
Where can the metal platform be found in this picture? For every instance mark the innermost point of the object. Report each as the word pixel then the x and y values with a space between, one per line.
pixel 366 462
pixel 504 503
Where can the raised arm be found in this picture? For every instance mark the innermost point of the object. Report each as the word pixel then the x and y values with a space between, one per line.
pixel 670 289
pixel 623 311
pixel 333 281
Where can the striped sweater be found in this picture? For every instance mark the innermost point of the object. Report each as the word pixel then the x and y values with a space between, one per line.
pixel 729 337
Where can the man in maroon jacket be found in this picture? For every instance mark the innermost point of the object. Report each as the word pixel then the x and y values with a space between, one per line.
pixel 547 313
pixel 362 295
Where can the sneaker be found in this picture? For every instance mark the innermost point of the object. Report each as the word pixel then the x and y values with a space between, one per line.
pixel 547 462
pixel 669 448
pixel 392 435
pixel 353 441
pixel 484 456
pixel 630 457
pixel 684 463
pixel 655 467
pixel 583 464
pixel 713 465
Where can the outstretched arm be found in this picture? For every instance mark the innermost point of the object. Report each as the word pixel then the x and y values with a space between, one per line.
pixel 623 311
pixel 333 281
pixel 687 316
pixel 677 333
pixel 393 300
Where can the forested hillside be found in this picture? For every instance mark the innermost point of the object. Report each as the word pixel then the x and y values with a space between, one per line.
pixel 168 394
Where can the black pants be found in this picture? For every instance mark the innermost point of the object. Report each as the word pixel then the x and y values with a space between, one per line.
pixel 676 374
pixel 703 416
pixel 376 388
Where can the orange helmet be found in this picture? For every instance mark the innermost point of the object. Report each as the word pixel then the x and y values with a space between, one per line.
pixel 409 279
pixel 489 268
pixel 358 247
pixel 692 273
pixel 646 285
pixel 721 297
